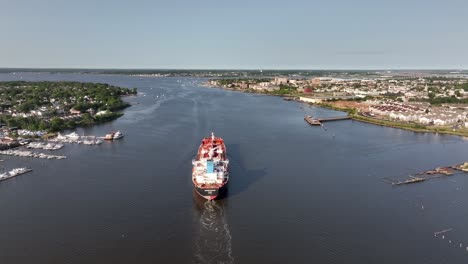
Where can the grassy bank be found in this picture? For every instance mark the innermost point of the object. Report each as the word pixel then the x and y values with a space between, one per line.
pixel 412 127
pixel 350 111
pixel 395 124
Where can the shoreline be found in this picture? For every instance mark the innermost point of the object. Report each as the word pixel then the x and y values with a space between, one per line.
pixel 405 126
pixel 48 107
pixel 394 124
pixel 357 117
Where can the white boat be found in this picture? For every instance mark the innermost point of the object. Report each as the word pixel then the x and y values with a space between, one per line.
pixel 73 135
pixel 113 135
pixel 117 135
pixel 60 136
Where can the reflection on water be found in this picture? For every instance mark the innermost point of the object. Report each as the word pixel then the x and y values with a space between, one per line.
pixel 213 241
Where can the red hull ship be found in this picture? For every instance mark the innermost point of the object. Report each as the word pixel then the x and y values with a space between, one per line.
pixel 210 173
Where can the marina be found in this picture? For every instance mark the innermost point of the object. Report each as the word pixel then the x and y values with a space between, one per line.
pixel 45 146
pixel 56 144
pixel 30 154
pixel 74 138
pixel 88 142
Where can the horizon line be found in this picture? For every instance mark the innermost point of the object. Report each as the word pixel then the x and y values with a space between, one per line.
pixel 236 69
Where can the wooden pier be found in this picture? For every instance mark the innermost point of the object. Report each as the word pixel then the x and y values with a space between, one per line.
pixel 411 179
pixel 430 174
pixel 318 121
pixel 311 121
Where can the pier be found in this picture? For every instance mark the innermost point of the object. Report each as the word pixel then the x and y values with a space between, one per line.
pixel 30 154
pixel 13 173
pixel 318 121
pixel 40 145
pixel 430 174
pixel 411 179
pixel 74 138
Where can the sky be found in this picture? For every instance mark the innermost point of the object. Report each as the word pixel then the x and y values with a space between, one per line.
pixel 198 34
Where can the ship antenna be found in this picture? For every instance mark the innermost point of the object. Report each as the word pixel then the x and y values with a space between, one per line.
pixel 212 136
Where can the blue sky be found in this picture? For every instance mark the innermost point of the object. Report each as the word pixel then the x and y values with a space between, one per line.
pixel 334 34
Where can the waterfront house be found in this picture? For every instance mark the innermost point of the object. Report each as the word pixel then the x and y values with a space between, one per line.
pixel 281 80
pixel 244 85
pixel 91 111
pixel 36 113
pixel 75 112
pixel 310 100
pixel 104 112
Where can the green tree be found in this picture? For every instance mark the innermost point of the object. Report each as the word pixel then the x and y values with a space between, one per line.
pixel 87 119
pixel 43 126
pixel 56 124
pixel 26 107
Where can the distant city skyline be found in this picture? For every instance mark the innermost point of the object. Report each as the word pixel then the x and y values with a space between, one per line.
pixel 309 35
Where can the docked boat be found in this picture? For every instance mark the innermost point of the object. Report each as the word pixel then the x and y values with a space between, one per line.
pixel 210 173
pixel 24 142
pixel 114 135
pixel 73 136
pixel 118 135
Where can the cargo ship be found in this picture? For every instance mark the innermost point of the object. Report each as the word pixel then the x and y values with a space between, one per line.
pixel 210 173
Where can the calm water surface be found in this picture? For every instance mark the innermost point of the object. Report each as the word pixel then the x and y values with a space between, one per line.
pixel 297 194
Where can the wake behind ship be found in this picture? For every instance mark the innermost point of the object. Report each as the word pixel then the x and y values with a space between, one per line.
pixel 210 173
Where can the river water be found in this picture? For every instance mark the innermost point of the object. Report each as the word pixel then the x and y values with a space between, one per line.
pixel 298 194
